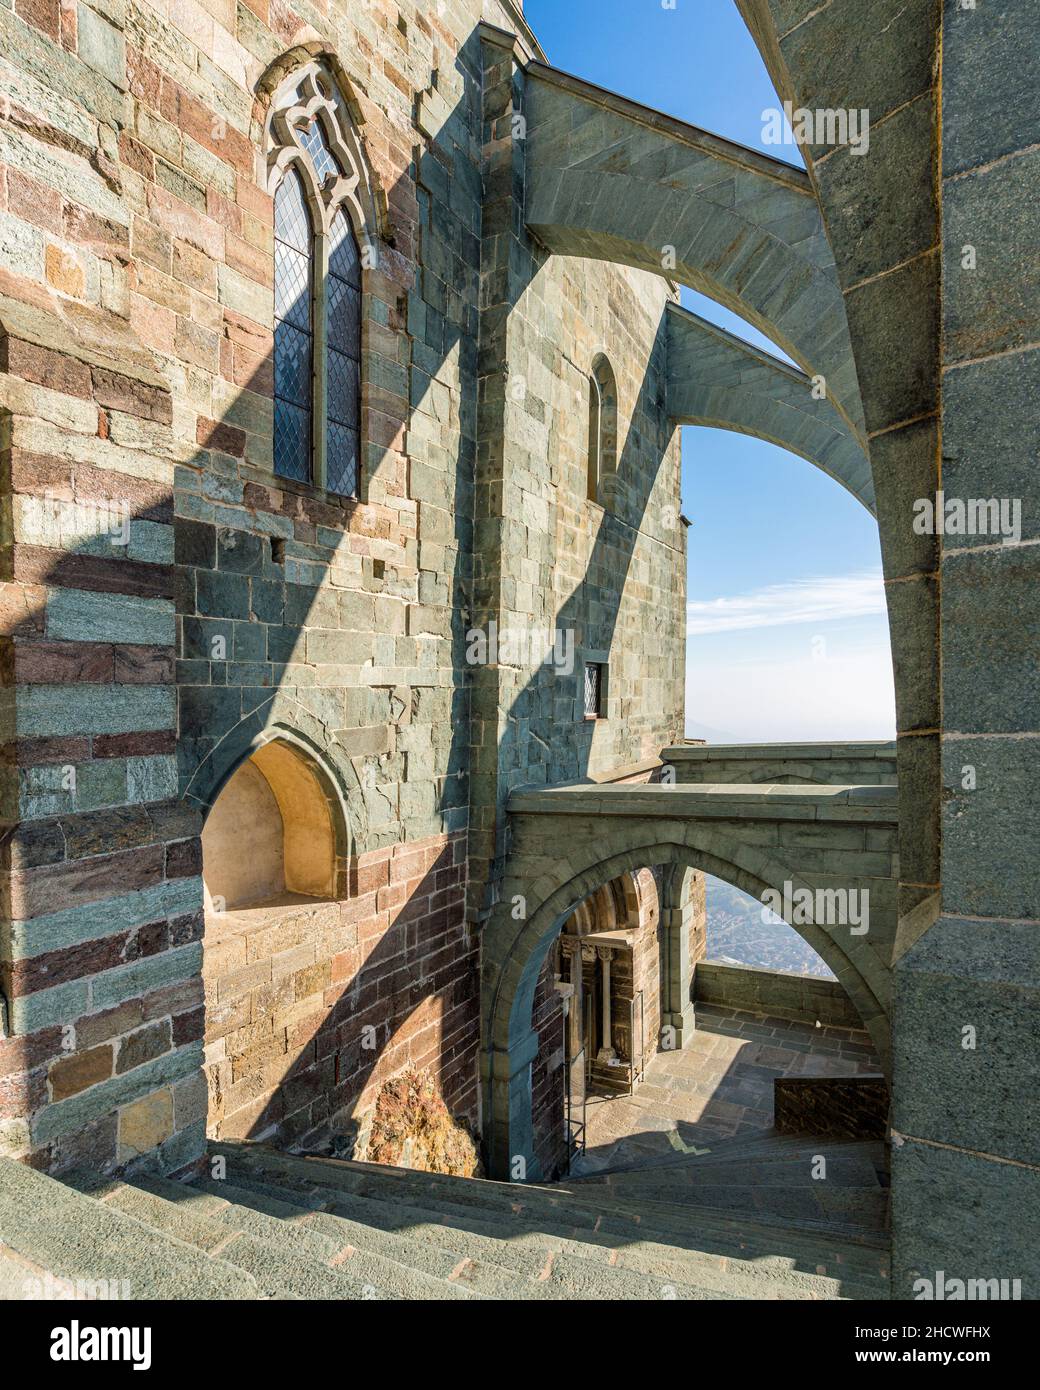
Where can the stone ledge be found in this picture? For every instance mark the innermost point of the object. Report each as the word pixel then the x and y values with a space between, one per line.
pixel 727 800
pixel 704 752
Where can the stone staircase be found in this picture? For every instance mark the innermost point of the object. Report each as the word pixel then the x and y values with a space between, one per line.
pixel 734 1224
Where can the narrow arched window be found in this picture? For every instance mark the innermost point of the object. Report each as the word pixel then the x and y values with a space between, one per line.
pixel 325 236
pixel 603 430
pixel 293 330
pixel 343 310
pixel 595 425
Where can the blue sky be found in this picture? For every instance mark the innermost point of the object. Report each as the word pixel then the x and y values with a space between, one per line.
pixel 788 633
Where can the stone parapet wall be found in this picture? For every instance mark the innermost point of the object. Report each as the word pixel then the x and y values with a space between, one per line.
pixel 834 764
pixel 782 993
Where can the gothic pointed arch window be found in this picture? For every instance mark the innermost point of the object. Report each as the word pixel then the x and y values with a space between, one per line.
pixel 603 429
pixel 325 230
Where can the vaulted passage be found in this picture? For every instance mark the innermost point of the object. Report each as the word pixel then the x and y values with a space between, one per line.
pixel 826 854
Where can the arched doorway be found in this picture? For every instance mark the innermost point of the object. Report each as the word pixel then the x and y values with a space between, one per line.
pixel 609 961
pixel 517 950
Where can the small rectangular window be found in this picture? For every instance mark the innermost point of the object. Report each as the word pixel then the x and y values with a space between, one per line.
pixel 594 690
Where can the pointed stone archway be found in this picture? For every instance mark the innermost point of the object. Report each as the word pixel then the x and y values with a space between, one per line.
pixel 823 840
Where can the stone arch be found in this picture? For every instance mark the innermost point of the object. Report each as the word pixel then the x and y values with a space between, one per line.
pixel 718 380
pixel 282 718
pixel 299 839
pixel 633 896
pixel 312 59
pixel 515 952
pixel 612 180
pixel 276 855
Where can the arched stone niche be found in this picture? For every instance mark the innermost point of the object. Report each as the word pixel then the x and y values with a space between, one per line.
pixel 270 832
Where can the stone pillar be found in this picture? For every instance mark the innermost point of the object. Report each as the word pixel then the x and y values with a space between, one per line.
pixel 576 1016
pixel 682 943
pixel 967 984
pixel 606 1051
pixel 509 1128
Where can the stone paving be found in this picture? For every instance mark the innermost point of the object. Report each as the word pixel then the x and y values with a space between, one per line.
pixel 718 1087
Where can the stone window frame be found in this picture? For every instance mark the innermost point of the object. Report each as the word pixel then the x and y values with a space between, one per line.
pixel 601 458
pixel 601 659
pixel 313 92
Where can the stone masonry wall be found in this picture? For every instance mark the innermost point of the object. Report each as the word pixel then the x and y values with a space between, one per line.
pixel 310 1008
pixel 610 579
pixel 136 331
pixel 167 601
pixel 782 993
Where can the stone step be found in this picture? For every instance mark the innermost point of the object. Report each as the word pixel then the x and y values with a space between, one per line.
pixel 479 1268
pixel 796 1172
pixel 482 1259
pixel 282 1268
pixel 537 1270
pixel 77 1238
pixel 22 1279
pixel 278 1220
pixel 577 1210
pixel 569 1268
pixel 777 1148
pixel 255 1204
pixel 578 1224
pixel 860 1207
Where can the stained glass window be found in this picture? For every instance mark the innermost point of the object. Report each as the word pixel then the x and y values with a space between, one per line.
pixel 343 328
pixel 317 288
pixel 315 142
pixel 293 329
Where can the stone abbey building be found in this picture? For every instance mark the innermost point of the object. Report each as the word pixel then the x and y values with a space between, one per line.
pixel 343 593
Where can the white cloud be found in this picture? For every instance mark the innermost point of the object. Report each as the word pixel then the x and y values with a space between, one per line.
pixel 799 601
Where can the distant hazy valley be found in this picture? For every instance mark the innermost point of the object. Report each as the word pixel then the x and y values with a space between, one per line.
pixel 736 932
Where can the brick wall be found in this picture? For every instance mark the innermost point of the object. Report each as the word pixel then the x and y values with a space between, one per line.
pixel 311 1007
pixel 549 1078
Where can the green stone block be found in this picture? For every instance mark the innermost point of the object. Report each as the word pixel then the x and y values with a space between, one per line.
pixel 102 782
pixel 990 866
pixel 964 1214
pixel 71 926
pixel 991 436
pixel 85 709
pixel 990 638
pixel 101 46
pixel 143 976
pixel 989 81
pixel 78 616
pixel 151 779
pixel 995 306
